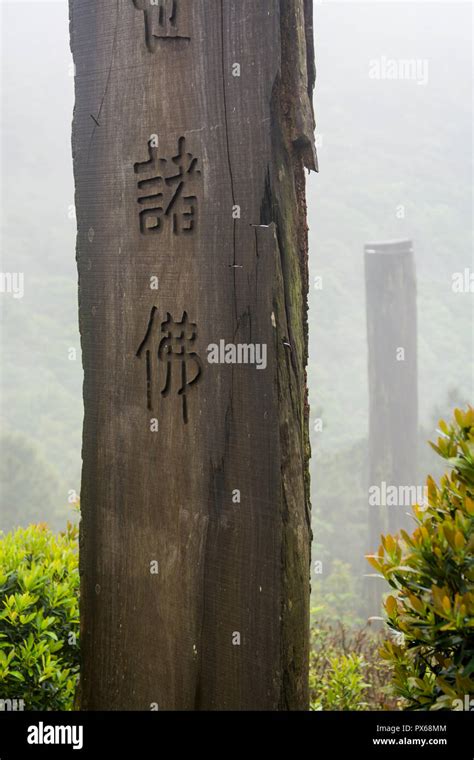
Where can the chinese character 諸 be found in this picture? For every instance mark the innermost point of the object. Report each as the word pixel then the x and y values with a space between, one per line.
pixel 172 345
pixel 169 195
pixel 162 21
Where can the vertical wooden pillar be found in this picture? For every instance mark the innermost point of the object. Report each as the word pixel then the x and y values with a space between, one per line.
pixel 393 395
pixel 192 127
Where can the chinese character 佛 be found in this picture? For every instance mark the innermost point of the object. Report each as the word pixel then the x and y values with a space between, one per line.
pixel 172 348
pixel 169 195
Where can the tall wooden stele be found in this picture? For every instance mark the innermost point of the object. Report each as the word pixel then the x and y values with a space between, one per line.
pixel 393 380
pixel 192 126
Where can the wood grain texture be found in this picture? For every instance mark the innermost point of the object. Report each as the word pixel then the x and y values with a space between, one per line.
pixel 167 496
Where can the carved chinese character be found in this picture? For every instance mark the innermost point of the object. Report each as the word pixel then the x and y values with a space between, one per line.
pixel 169 195
pixel 172 345
pixel 162 21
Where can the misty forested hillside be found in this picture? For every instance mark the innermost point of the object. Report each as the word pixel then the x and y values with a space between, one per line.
pixel 395 162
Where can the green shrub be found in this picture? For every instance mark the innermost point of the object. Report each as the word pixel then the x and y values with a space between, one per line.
pixel 39 617
pixel 432 573
pixel 346 672
pixel 344 689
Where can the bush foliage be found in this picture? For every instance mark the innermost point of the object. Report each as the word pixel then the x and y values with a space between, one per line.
pixel 346 671
pixel 39 617
pixel 432 574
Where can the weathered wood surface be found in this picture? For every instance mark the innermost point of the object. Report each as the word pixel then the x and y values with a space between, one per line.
pixel 393 378
pixel 169 639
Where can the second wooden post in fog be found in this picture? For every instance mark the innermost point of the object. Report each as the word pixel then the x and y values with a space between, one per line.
pixel 393 395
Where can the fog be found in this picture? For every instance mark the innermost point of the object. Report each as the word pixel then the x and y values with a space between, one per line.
pixel 393 105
